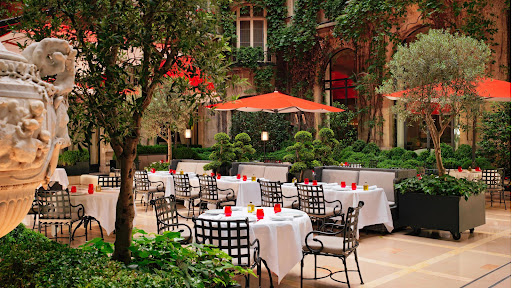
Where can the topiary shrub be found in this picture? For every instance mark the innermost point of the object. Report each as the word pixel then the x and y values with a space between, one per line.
pixel 424 155
pixel 243 148
pixel 408 155
pixel 70 158
pixel 464 151
pixel 358 145
pixel 371 148
pixel 396 153
pixel 323 148
pixel 447 151
pixel 301 154
pixel 223 154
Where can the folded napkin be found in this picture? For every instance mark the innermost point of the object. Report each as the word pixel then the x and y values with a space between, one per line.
pixel 373 187
pixel 281 218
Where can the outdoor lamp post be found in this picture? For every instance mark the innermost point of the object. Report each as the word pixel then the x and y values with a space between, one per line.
pixel 188 135
pixel 264 138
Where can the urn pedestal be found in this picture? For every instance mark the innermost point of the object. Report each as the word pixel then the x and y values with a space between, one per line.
pixel 33 122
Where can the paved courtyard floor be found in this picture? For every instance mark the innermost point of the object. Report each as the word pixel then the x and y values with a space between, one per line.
pixel 432 259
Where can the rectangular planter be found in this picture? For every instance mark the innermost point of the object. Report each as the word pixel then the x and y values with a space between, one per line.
pixel 449 213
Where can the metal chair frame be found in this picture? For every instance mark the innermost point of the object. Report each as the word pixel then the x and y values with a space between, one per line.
pixel 167 217
pixel 143 184
pixel 109 181
pixel 183 191
pixel 349 242
pixel 232 236
pixel 493 178
pixel 55 208
pixel 272 194
pixel 209 193
pixel 312 202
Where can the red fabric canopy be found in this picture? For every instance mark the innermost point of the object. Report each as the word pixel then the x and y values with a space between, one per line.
pixel 490 89
pixel 275 102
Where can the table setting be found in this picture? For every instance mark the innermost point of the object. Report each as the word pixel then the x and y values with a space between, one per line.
pixel 281 233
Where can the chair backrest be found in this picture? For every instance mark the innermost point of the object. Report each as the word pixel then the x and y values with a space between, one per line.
pixel 109 181
pixel 182 185
pixel 231 236
pixel 208 187
pixel 350 231
pixel 493 178
pixel 54 204
pixel 271 193
pixel 311 198
pixel 166 212
pixel 142 180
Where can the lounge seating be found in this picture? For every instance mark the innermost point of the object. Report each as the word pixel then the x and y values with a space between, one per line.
pixel 269 171
pixel 189 165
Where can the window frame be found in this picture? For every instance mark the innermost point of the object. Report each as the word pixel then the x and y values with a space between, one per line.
pixel 251 18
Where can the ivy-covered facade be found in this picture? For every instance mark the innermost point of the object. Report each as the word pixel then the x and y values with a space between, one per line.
pixel 335 51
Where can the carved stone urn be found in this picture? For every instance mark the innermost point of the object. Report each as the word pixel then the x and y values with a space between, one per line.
pixel 33 122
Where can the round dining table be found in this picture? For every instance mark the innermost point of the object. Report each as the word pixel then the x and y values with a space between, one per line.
pixel 281 235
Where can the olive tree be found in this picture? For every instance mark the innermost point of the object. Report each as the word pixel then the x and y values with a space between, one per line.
pixel 440 72
pixel 126 46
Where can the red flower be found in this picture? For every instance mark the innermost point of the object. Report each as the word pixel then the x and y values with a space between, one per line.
pixel 196 80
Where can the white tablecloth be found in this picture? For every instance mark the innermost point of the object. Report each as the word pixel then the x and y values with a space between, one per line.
pixel 280 241
pixel 166 178
pixel 375 210
pixel 100 205
pixel 471 176
pixel 245 191
pixel 60 175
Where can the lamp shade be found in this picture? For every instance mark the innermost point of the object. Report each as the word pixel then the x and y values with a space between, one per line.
pixel 188 133
pixel 264 136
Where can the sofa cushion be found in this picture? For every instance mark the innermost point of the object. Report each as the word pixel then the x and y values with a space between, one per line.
pixel 186 166
pixel 252 170
pixel 200 169
pixel 381 179
pixel 89 179
pixel 334 175
pixel 276 173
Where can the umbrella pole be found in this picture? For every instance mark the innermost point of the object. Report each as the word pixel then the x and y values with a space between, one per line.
pixel 473 147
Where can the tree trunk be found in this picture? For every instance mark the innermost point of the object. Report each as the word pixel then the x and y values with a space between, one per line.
pixel 125 210
pixel 473 143
pixel 169 145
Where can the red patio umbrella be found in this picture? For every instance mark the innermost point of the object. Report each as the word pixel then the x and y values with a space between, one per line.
pixel 490 89
pixel 275 102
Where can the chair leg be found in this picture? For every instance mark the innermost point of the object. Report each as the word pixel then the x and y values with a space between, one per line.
pixel 269 273
pixel 315 265
pixel 258 272
pixel 246 281
pixel 34 226
pixel 301 270
pixel 358 270
pixel 346 272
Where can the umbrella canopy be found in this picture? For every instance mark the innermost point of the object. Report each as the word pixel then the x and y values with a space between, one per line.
pixel 490 89
pixel 275 102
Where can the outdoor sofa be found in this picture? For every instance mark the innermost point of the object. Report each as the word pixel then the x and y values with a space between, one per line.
pixel 269 171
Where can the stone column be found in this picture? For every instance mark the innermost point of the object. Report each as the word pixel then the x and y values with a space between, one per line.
pixel 317 96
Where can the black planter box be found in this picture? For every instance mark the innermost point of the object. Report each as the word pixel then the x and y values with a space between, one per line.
pixel 449 213
pixel 78 169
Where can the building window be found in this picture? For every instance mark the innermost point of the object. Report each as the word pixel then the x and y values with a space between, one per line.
pixel 339 85
pixel 251 27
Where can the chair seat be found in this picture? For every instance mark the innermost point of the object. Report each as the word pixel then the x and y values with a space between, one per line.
pixel 193 196
pixel 328 213
pixel 151 189
pixel 331 245
pixel 222 198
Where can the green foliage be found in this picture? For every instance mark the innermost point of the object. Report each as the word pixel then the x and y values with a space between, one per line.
pixel 495 144
pixel 151 149
pixel 342 125
pixel 70 158
pixel 302 154
pixel 243 148
pixel 277 126
pixel 263 79
pixel 424 155
pixel 464 151
pixel 223 153
pixel 396 153
pixel 371 148
pixel 447 151
pixel 358 145
pixel 184 153
pixel 249 56
pixel 203 153
pixel 158 166
pixel 31 260
pixel 323 148
pixel 445 185
pixel 196 265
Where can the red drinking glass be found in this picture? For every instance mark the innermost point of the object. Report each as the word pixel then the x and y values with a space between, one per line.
pixel 91 188
pixel 343 184
pixel 260 214
pixel 218 176
pixel 170 171
pixel 306 181
pixel 346 163
pixel 354 186
pixel 238 176
pixel 460 169
pixel 73 189
pixel 212 174
pixel 315 183
pixel 153 170
pixel 477 169
pixel 277 208
pixel 227 211
pixel 244 178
